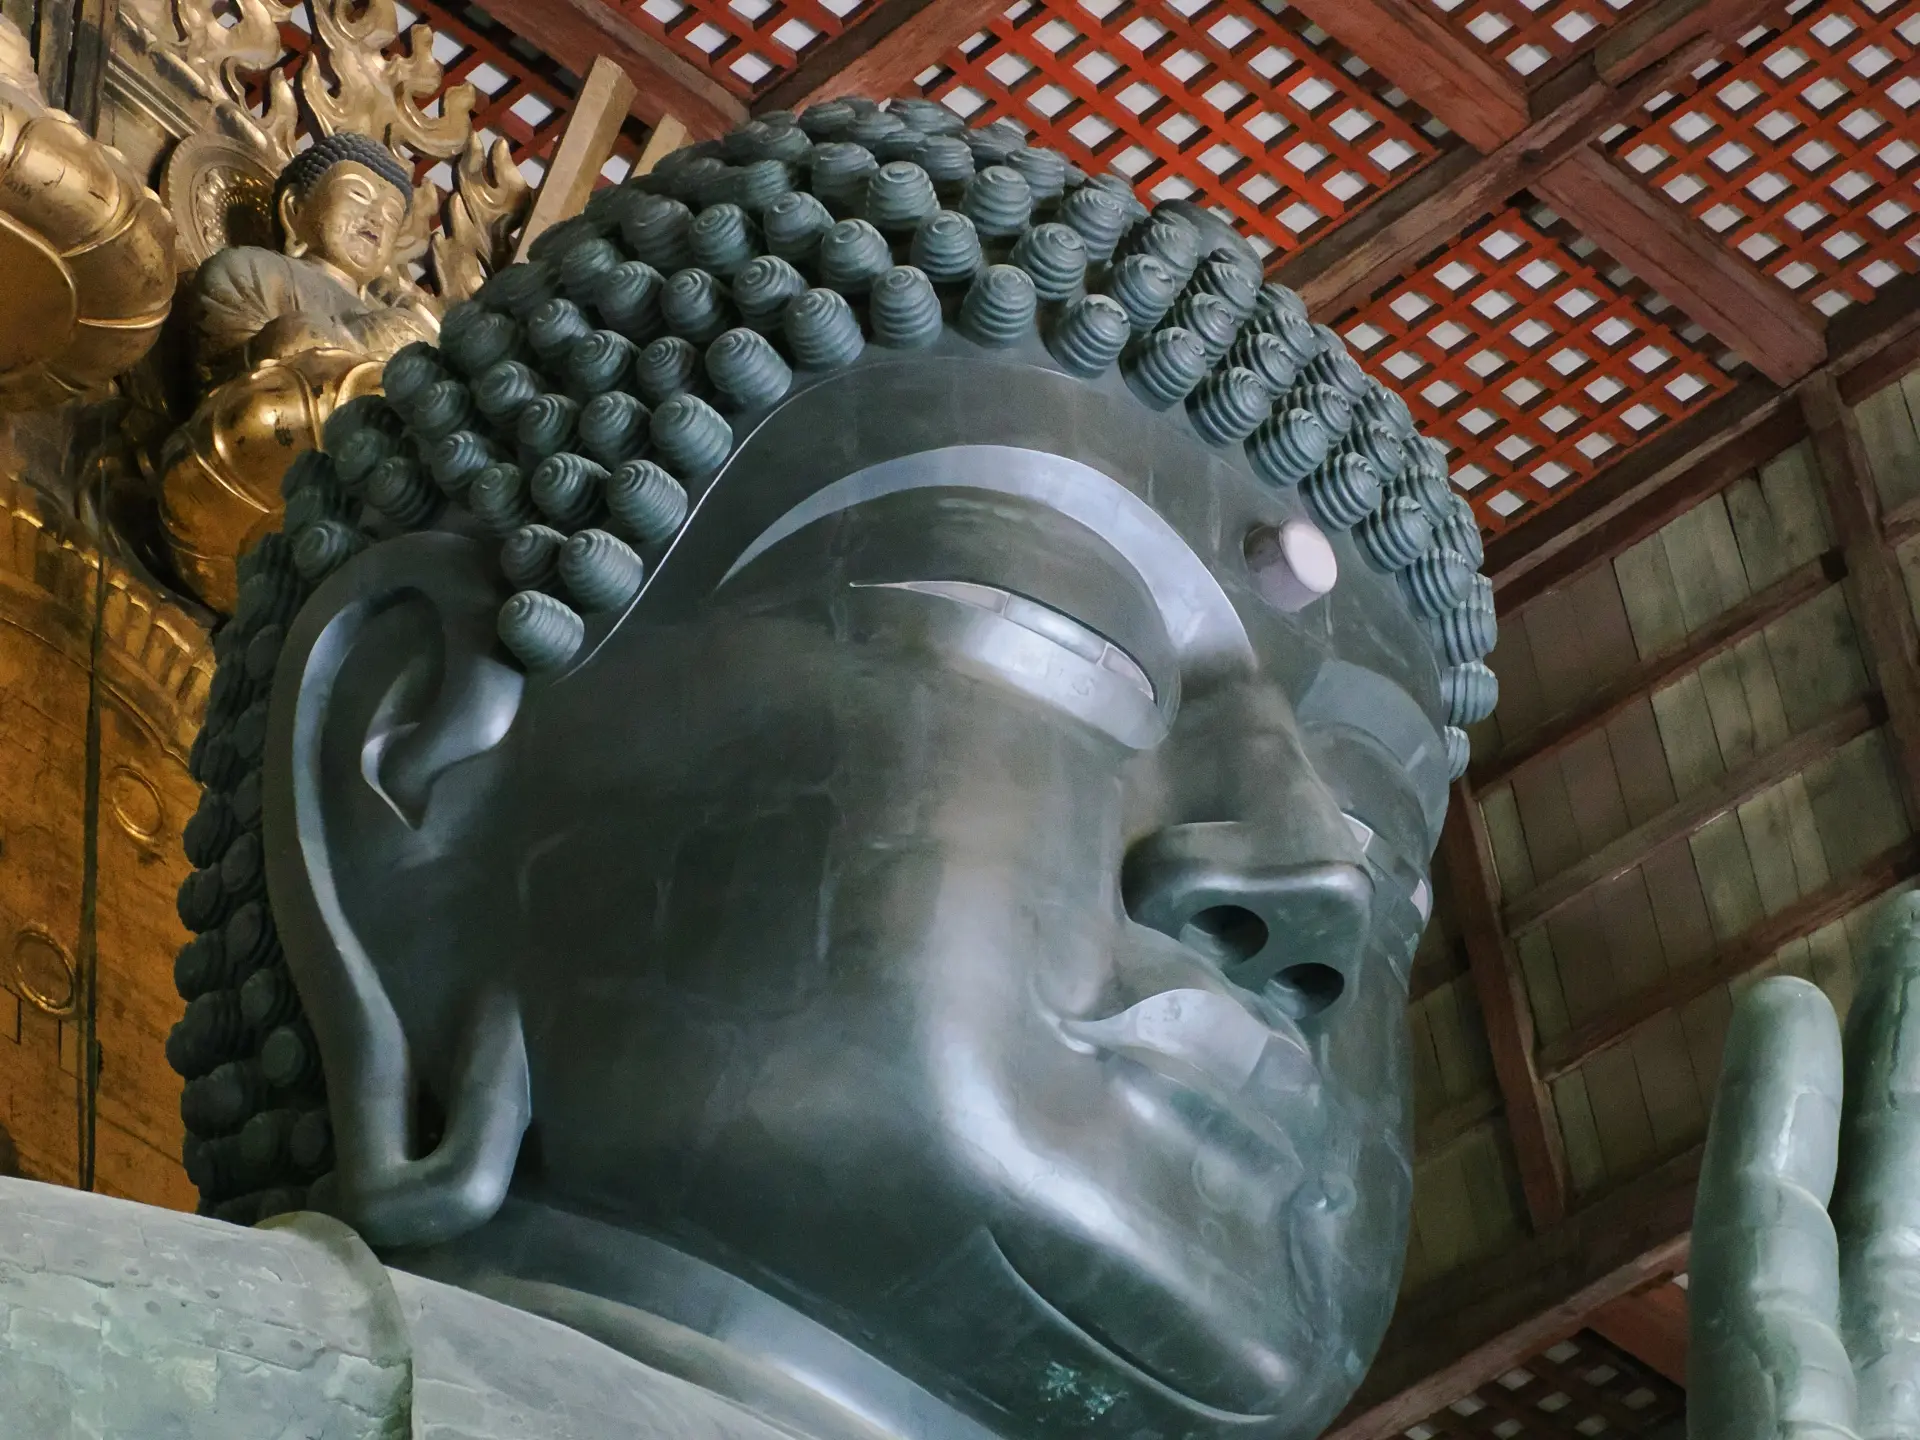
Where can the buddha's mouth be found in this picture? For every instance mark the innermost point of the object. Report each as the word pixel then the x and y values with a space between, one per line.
pixel 1212 1046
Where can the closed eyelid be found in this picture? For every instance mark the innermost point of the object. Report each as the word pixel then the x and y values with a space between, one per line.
pixel 1043 620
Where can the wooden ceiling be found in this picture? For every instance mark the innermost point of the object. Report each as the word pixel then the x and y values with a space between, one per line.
pixel 1648 267
pixel 1563 230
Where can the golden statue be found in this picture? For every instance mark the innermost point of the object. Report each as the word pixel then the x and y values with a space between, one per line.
pixel 285 336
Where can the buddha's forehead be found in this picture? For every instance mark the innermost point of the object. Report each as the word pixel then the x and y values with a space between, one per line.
pixel 1000 460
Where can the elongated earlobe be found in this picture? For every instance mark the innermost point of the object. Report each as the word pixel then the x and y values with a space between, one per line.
pixel 289 211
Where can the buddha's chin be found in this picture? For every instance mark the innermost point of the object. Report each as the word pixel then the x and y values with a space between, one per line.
pixel 1246 1381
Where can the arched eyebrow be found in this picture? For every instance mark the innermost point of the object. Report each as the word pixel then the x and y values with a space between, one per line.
pixel 1202 622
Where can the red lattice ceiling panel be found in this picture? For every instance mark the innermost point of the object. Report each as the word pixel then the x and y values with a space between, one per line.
pixel 1580 1389
pixel 1803 152
pixel 524 98
pixel 1225 101
pixel 746 44
pixel 1533 359
pixel 1533 36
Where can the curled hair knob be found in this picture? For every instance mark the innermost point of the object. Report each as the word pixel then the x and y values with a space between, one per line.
pixel 542 633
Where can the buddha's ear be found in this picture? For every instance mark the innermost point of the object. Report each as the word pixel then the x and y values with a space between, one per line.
pixel 390 691
pixel 399 648
pixel 287 211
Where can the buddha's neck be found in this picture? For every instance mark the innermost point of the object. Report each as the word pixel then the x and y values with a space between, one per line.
pixel 692 1320
pixel 333 272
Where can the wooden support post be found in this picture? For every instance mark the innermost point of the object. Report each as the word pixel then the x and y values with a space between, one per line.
pixel 579 32
pixel 585 146
pixel 1476 1324
pixel 1832 901
pixel 1733 789
pixel 668 136
pixel 94 22
pixel 1749 617
pixel 1504 1009
pixel 881 52
pixel 1881 608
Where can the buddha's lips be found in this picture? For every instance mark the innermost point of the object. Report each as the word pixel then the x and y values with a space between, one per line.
pixel 1203 1035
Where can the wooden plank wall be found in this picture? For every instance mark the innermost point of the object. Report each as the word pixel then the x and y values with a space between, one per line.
pixel 1628 1108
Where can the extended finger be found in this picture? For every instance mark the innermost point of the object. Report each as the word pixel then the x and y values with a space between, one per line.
pixel 1766 1358
pixel 1877 1201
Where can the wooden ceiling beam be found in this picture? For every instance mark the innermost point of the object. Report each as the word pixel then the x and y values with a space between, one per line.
pixel 1753 315
pixel 1648 32
pixel 1881 606
pixel 1471 93
pixel 1651 1326
pixel 1870 346
pixel 1505 1011
pixel 1347 266
pixel 1473 1325
pixel 1832 901
pixel 576 32
pixel 1642 493
pixel 1679 820
pixel 1749 617
pixel 881 52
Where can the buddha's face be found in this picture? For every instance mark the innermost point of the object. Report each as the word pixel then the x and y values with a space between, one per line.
pixel 953 899
pixel 350 218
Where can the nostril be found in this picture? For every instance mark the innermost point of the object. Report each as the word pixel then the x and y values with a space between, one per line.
pixel 1303 991
pixel 1225 934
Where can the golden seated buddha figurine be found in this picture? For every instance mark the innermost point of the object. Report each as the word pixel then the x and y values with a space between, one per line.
pixel 283 337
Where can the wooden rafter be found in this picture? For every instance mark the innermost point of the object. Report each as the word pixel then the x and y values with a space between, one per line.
pixel 1779 335
pixel 881 52
pixel 1346 266
pixel 576 32
pixel 1472 94
pixel 1504 1009
pixel 1749 617
pixel 1881 606
pixel 1475 1324
pixel 1654 238
pixel 1870 346
pixel 1647 32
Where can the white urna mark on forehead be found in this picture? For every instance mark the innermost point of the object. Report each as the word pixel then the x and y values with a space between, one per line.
pixel 1292 566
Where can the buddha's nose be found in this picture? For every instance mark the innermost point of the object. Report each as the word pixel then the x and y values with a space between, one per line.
pixel 1277 916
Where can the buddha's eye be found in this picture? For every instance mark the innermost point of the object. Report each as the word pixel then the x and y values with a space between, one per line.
pixel 1043 620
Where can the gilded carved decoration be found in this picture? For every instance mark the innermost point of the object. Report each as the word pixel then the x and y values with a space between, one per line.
pixel 220 192
pixel 86 250
pixel 348 82
pixel 489 202
pixel 290 320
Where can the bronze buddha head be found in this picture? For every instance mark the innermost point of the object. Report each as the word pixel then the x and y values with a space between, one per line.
pixel 343 201
pixel 967 891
